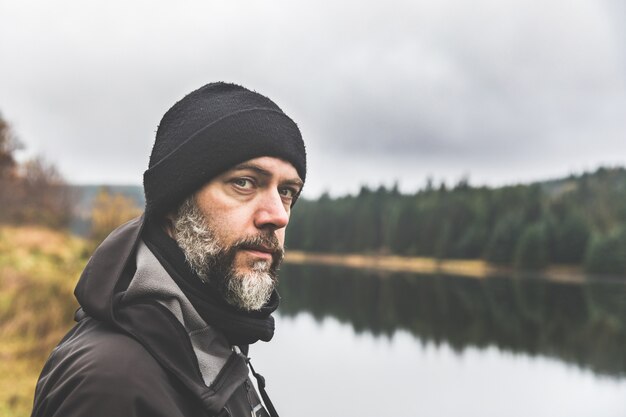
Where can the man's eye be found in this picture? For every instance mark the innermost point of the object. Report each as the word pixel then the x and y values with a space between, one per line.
pixel 288 192
pixel 243 183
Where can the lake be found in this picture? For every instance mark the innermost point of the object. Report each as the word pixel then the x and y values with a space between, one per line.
pixel 359 343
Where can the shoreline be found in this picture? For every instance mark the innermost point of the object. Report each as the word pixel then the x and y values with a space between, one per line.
pixel 470 268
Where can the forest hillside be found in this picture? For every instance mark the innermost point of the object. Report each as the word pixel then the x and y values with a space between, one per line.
pixel 579 220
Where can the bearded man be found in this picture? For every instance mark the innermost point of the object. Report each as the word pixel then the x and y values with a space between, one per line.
pixel 171 301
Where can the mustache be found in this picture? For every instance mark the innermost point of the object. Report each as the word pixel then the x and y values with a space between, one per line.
pixel 263 242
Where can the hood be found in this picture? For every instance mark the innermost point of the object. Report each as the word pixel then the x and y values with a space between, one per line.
pixel 102 276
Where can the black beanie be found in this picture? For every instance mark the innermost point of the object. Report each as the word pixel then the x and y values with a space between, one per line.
pixel 209 131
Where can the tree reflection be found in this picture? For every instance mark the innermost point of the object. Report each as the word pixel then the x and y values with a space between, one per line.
pixel 583 324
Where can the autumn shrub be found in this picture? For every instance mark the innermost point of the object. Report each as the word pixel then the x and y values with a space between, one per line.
pixel 109 211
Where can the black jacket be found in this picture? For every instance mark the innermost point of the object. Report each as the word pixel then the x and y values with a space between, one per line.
pixel 133 359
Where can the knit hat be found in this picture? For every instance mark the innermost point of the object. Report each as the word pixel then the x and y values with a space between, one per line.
pixel 209 131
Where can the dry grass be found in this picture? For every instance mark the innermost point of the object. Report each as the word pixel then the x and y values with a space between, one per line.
pixel 467 268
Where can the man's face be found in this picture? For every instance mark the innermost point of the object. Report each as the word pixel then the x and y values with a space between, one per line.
pixel 235 225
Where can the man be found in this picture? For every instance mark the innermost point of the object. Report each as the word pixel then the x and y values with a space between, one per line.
pixel 170 301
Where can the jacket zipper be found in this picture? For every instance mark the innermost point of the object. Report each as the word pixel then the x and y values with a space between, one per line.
pixel 253 408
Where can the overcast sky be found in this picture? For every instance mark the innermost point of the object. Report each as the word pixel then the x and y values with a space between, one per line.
pixel 501 91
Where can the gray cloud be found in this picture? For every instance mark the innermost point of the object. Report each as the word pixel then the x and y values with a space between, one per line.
pixel 505 91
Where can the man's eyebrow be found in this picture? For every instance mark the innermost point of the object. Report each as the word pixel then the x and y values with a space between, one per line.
pixel 262 171
pixel 296 182
pixel 252 167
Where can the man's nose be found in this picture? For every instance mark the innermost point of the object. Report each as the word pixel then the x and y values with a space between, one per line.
pixel 271 212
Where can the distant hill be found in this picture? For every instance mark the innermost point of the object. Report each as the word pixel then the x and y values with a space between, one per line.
pixel 556 187
pixel 579 219
pixel 552 187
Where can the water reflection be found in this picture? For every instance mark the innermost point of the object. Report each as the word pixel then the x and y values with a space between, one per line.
pixel 584 324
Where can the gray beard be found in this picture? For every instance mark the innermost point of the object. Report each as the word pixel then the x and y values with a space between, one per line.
pixel 204 253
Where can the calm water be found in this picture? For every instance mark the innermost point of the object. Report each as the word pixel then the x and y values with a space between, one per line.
pixel 353 343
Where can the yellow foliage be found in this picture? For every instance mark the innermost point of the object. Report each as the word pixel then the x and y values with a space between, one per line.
pixel 38 271
pixel 110 211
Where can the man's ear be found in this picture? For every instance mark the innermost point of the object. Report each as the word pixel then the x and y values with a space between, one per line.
pixel 168 224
